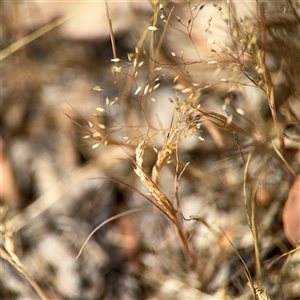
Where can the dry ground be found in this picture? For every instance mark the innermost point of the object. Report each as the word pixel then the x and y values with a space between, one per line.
pixel 176 127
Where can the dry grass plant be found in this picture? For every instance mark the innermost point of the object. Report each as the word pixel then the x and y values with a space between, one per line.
pixel 261 144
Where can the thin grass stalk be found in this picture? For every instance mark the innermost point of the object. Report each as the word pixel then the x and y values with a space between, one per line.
pixel 267 76
pixel 161 38
pixel 153 52
pixel 113 44
pixel 10 256
pixel 14 47
pixel 255 233
pixel 244 187
pixel 120 215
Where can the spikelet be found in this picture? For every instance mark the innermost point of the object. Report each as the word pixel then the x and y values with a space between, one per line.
pixel 160 198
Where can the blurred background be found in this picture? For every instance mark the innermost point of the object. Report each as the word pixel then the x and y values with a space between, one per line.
pixel 56 186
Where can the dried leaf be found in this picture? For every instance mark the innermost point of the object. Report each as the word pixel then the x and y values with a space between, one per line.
pixel 291 214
